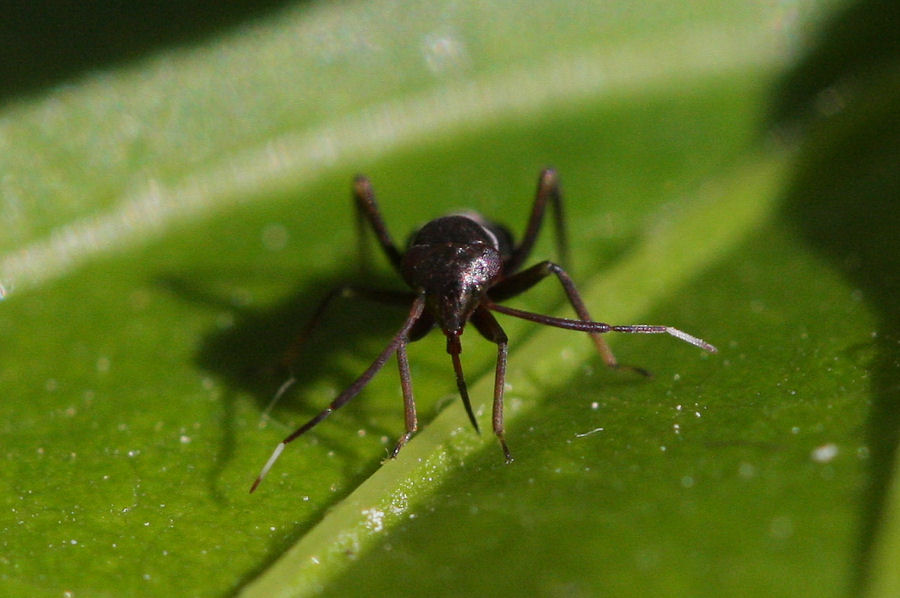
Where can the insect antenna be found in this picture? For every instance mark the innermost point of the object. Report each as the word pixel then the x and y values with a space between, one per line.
pixel 285 386
pixel 342 399
pixel 601 327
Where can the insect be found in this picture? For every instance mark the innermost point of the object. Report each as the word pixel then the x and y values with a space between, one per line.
pixel 458 269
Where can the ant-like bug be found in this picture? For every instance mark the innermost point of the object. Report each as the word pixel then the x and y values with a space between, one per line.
pixel 459 267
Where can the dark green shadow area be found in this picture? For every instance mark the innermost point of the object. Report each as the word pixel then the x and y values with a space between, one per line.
pixel 844 198
pixel 856 45
pixel 49 41
pixel 250 355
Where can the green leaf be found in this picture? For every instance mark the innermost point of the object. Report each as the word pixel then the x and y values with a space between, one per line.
pixel 173 223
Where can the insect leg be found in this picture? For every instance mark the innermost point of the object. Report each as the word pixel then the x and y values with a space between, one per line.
pixel 547 191
pixel 367 209
pixel 400 338
pixel 409 403
pixel 489 327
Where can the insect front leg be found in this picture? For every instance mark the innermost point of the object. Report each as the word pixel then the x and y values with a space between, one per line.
pixel 485 322
pixel 409 403
pixel 547 191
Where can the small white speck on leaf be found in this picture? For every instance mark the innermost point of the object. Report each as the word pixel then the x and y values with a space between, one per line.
pixel 824 453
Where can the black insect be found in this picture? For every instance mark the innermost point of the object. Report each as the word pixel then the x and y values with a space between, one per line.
pixel 459 268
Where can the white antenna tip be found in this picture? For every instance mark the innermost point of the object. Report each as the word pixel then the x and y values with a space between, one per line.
pixel 697 342
pixel 265 470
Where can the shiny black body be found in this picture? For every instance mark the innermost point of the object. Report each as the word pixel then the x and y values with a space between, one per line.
pixel 458 269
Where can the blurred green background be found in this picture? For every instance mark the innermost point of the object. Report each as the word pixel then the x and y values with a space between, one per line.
pixel 174 197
